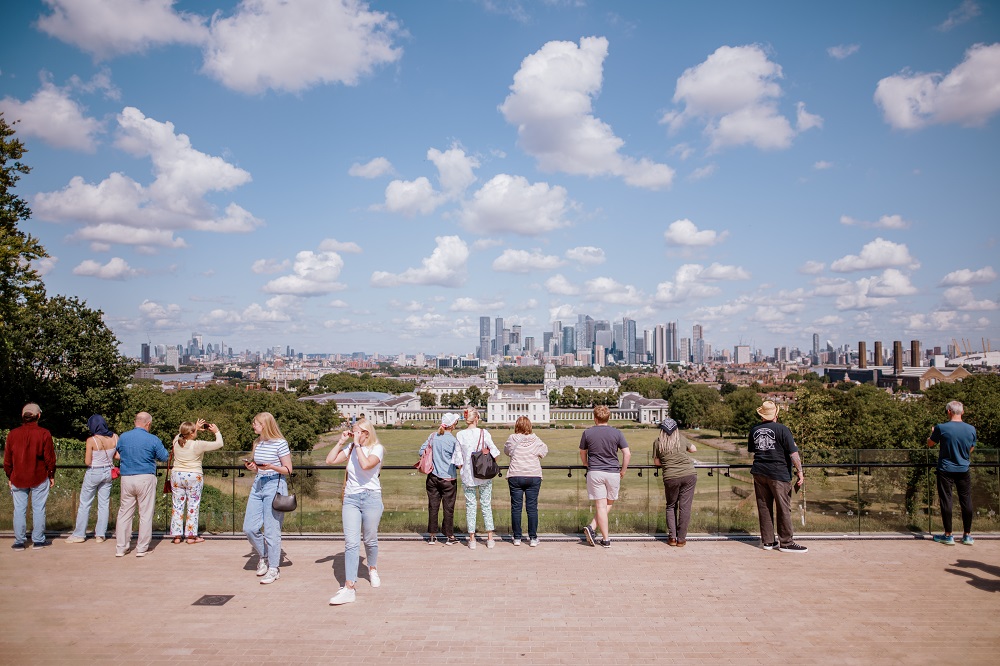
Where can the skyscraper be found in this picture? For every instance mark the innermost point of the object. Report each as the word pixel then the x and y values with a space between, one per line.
pixel 673 353
pixel 659 344
pixel 697 345
pixel 815 354
pixel 484 339
pixel 498 336
pixel 569 340
pixel 628 335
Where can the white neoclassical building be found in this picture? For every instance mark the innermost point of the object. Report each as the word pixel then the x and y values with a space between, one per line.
pixel 594 383
pixel 441 386
pixel 506 406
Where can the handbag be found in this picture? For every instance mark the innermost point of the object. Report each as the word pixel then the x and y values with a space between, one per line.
pixel 284 503
pixel 484 465
pixel 426 463
pixel 167 488
pixel 115 472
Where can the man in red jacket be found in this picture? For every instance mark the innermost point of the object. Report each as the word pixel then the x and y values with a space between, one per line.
pixel 29 460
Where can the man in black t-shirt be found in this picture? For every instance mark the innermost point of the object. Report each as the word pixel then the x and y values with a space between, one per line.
pixel 774 455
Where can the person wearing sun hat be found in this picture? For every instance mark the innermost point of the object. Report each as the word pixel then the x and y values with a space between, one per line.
pixel 774 455
pixel 442 484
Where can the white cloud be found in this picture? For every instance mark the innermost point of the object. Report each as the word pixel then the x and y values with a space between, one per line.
pixel 968 10
pixel 842 51
pixel 551 105
pixel 722 272
pixel 174 200
pixel 338 303
pixel 965 276
pixel 890 284
pixel 609 290
pixel 251 316
pixel 523 261
pixel 313 274
pixel 877 254
pixel 558 284
pixel 563 311
pixel 105 28
pixel 829 320
pixel 411 197
pixel 44 265
pixel 723 312
pixel 333 245
pixel 455 170
pixel 586 255
pixel 466 304
pixel 292 46
pixel 969 95
pixel 735 91
pixel 154 315
pixel 409 306
pixel 684 232
pixel 690 282
pixel 104 235
pixel 884 222
pixel 509 204
pixel 446 267
pixel 962 298
pixel 486 243
pixel 269 266
pixel 116 269
pixel 822 165
pixel 812 267
pixel 379 166
pixel 943 320
pixel 704 172
pixel 54 118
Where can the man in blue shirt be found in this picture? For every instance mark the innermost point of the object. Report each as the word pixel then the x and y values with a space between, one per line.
pixel 957 440
pixel 139 451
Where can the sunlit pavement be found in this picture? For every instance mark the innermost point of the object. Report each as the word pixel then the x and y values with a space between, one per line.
pixel 846 601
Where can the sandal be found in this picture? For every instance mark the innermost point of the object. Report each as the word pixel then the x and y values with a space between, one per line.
pixel 178 539
pixel 195 539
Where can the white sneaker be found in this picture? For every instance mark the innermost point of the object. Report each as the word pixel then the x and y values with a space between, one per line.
pixel 75 539
pixel 271 576
pixel 141 553
pixel 533 543
pixel 374 578
pixel 517 542
pixel 490 543
pixel 345 595
pixel 472 543
pixel 261 568
pixel 99 539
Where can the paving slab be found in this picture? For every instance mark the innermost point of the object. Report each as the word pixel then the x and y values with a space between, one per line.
pixel 641 601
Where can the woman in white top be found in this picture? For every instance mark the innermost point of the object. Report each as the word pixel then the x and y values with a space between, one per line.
pixel 471 440
pixel 97 480
pixel 363 507
pixel 272 461
pixel 187 478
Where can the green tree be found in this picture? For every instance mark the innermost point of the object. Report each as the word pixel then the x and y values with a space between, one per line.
pixel 719 417
pixel 813 419
pixel 53 350
pixel 427 399
pixel 475 396
pixel 743 404
pixel 568 397
pixel 647 387
pixel 690 403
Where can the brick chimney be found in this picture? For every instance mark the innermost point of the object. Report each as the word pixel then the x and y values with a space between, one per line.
pixel 862 355
pixel 897 357
pixel 878 359
pixel 915 353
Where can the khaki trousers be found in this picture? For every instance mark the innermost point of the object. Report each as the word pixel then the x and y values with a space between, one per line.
pixel 137 490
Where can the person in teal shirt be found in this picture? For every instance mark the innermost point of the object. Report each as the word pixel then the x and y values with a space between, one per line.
pixel 957 440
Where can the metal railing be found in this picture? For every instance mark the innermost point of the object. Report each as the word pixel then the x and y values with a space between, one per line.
pixel 851 492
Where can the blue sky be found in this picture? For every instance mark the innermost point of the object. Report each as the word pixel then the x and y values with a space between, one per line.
pixel 337 175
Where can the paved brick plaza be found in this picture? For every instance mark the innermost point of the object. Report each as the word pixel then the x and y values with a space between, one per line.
pixel 846 601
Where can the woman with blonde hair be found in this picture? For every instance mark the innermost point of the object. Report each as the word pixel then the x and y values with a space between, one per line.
pixel 99 457
pixel 187 478
pixel 470 440
pixel 271 459
pixel 679 479
pixel 524 477
pixel 363 507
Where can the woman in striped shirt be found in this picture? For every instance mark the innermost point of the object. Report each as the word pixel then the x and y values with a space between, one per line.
pixel 272 461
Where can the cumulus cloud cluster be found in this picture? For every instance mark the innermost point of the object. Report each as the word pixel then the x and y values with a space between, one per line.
pixel 735 93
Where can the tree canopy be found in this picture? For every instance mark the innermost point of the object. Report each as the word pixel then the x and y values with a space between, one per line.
pixel 53 350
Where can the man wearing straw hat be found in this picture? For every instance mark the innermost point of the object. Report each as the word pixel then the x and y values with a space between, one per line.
pixel 774 455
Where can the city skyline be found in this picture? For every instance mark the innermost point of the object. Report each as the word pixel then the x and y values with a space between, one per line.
pixel 382 174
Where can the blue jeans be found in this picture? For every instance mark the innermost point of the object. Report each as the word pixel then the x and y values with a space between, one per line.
pixel 362 511
pixel 39 494
pixel 260 517
pixel 96 482
pixel 521 487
